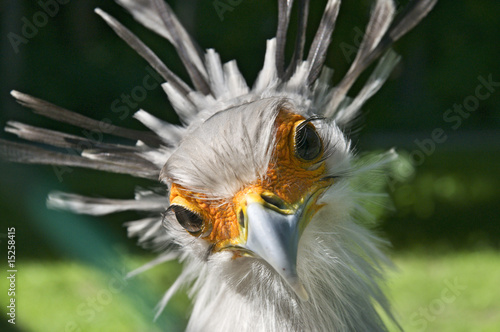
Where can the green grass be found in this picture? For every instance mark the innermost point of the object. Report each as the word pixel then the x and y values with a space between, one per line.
pixel 65 296
pixel 451 292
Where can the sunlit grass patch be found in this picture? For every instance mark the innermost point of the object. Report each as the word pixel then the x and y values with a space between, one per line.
pixel 450 292
pixel 441 292
pixel 66 296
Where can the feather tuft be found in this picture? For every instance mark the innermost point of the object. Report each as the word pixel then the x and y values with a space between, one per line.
pixel 102 206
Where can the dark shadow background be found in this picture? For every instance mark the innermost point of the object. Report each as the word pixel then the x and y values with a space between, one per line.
pixel 449 198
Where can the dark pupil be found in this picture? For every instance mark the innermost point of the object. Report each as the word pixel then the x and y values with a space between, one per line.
pixel 307 143
pixel 188 219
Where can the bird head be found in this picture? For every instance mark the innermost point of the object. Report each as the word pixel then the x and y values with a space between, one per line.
pixel 251 178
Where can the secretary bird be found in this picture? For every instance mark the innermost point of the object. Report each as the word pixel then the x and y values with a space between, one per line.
pixel 264 206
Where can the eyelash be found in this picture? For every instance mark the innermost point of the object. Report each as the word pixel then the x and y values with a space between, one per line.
pixel 309 120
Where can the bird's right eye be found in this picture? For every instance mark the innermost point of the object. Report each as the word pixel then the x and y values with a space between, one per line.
pixel 188 219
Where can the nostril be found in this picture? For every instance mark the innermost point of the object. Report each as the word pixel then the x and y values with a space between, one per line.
pixel 274 200
pixel 241 218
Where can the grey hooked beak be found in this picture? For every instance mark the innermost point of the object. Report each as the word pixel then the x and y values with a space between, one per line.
pixel 273 235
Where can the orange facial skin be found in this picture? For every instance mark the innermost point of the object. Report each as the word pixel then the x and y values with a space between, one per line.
pixel 288 177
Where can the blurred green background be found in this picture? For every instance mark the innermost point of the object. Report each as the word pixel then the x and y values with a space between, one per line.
pixel 444 224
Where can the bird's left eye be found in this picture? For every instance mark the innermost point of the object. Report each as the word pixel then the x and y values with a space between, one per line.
pixel 308 145
pixel 190 220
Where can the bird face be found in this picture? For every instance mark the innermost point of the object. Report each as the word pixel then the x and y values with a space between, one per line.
pixel 264 216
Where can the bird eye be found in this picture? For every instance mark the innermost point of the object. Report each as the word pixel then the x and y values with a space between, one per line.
pixel 308 144
pixel 190 220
